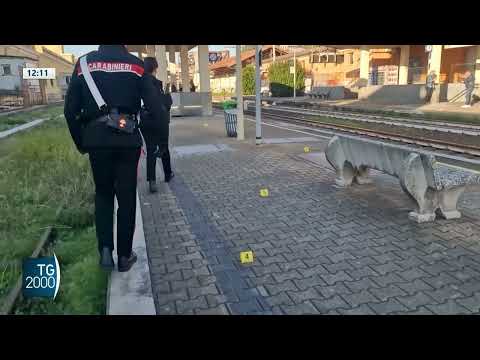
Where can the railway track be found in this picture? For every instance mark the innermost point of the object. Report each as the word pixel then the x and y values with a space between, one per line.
pixel 462 129
pixel 297 118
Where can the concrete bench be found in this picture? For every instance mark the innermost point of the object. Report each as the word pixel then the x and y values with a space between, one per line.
pixel 433 185
pixel 322 93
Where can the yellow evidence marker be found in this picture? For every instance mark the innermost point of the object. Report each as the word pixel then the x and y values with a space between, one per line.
pixel 246 257
pixel 205 125
pixel 264 192
pixel 306 149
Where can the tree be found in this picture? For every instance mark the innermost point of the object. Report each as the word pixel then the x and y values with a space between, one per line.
pixel 281 81
pixel 248 80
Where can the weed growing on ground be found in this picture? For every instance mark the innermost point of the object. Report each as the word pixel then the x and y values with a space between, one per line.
pixel 40 170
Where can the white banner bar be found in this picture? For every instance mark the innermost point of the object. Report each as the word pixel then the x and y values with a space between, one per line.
pixel 38 73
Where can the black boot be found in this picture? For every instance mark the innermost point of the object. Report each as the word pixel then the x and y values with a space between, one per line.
pixel 169 177
pixel 153 186
pixel 124 263
pixel 106 259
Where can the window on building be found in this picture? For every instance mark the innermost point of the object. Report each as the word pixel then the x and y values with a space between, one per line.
pixel 340 59
pixel 323 58
pixel 315 58
pixel 331 58
pixel 351 58
pixel 7 70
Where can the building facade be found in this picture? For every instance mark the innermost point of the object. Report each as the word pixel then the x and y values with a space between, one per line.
pixel 53 56
pixel 222 77
pixel 409 65
pixel 14 90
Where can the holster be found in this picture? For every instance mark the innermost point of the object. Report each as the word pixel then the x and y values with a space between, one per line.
pixel 118 122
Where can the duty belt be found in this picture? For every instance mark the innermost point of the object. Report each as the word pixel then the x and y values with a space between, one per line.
pixel 122 123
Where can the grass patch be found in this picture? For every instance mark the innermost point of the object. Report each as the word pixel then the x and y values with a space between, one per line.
pixel 83 285
pixel 39 170
pixel 9 121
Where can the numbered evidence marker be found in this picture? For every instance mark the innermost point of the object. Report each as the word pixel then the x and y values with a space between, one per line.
pixel 264 192
pixel 306 149
pixel 246 257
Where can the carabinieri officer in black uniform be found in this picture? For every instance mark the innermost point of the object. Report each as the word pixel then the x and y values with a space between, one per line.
pixel 109 134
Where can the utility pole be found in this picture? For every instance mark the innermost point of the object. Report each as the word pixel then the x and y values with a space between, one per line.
pixel 294 76
pixel 258 100
pixel 239 87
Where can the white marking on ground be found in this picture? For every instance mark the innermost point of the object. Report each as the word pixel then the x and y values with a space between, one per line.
pixel 200 149
pixel 289 140
pixel 16 129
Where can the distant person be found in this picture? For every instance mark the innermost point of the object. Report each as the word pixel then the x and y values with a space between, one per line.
pixel 469 82
pixel 155 129
pixel 430 85
pixel 180 88
pixel 174 88
pixel 192 86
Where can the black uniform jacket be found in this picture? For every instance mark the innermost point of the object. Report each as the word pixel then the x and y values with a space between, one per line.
pixel 119 78
pixel 155 129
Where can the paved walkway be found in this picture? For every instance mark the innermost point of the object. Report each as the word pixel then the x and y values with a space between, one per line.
pixel 318 249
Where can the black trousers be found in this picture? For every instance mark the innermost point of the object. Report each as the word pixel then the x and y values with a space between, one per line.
pixel 468 96
pixel 115 174
pixel 428 97
pixel 152 161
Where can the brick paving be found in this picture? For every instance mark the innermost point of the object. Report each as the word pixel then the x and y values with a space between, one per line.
pixel 318 249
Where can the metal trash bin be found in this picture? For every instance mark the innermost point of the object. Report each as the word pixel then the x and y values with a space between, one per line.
pixel 231 122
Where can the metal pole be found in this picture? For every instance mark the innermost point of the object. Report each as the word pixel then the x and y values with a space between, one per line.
pixel 258 100
pixel 294 76
pixel 239 87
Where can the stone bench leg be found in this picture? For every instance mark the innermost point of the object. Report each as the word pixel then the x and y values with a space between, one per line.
pixel 413 181
pixel 346 172
pixel 448 200
pixel 362 175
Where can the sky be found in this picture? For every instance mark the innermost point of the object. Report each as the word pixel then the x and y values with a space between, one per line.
pixel 79 50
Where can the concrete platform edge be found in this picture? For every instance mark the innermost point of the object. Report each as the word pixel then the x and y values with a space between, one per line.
pixel 130 293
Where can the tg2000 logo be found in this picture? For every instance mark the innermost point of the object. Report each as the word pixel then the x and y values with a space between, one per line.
pixel 41 277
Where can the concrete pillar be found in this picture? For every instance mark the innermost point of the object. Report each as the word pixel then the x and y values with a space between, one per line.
pixel 434 64
pixel 203 68
pixel 184 68
pixel 364 66
pixel 477 65
pixel 239 90
pixel 151 50
pixel 258 98
pixel 171 54
pixel 161 56
pixel 403 68
pixel 204 73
